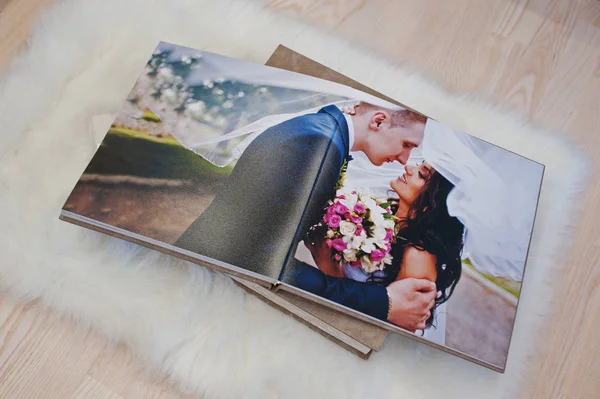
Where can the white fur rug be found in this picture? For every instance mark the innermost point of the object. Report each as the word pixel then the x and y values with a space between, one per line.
pixel 186 321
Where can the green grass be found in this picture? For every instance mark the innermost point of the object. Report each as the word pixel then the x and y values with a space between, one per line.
pixel 150 116
pixel 137 153
pixel 510 286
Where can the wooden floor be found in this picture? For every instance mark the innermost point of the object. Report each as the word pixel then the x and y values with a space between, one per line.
pixel 540 57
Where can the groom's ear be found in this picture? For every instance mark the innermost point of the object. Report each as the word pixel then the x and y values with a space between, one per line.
pixel 377 119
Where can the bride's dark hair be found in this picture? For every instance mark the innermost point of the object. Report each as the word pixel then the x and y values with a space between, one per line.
pixel 429 227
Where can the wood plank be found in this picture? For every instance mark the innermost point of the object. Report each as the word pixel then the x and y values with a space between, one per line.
pixel 16 21
pixel 43 356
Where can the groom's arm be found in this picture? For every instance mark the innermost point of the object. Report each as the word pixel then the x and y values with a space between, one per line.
pixel 405 303
pixel 366 298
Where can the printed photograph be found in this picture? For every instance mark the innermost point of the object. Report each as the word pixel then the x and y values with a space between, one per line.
pixel 327 189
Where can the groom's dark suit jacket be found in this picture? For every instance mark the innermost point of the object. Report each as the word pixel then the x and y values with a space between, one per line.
pixel 276 192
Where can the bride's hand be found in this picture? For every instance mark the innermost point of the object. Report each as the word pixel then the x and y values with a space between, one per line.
pixel 321 254
pixel 349 109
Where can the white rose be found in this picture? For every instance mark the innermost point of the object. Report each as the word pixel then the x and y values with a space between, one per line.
pixel 329 233
pixel 349 255
pixel 367 265
pixel 347 228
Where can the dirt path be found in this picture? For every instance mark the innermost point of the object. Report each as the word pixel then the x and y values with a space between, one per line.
pixel 162 213
pixel 479 322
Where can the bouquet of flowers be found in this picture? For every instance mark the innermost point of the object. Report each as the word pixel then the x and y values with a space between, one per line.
pixel 359 229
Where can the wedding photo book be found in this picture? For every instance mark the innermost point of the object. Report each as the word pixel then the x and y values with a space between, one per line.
pixel 312 188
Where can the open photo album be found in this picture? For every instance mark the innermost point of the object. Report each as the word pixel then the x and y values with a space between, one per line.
pixel 320 190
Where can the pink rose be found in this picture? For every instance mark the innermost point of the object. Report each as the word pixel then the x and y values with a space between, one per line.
pixel 341 196
pixel 329 242
pixel 334 221
pixel 340 208
pixel 359 229
pixel 355 219
pixel 377 255
pixel 339 244
pixel 338 257
pixel 331 210
pixel 359 208
pixel 388 235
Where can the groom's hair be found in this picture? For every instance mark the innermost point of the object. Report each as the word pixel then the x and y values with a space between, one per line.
pixel 403 117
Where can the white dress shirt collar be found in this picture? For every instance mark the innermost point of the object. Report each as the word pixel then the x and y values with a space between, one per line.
pixel 350 130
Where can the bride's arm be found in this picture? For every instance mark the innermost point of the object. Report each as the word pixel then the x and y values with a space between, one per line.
pixel 418 264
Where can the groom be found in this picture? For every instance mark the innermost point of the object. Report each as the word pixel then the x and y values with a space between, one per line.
pixel 277 191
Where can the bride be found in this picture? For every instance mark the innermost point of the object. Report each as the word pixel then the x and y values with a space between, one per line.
pixel 428 240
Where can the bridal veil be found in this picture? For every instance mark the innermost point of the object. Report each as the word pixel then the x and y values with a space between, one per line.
pixel 495 191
